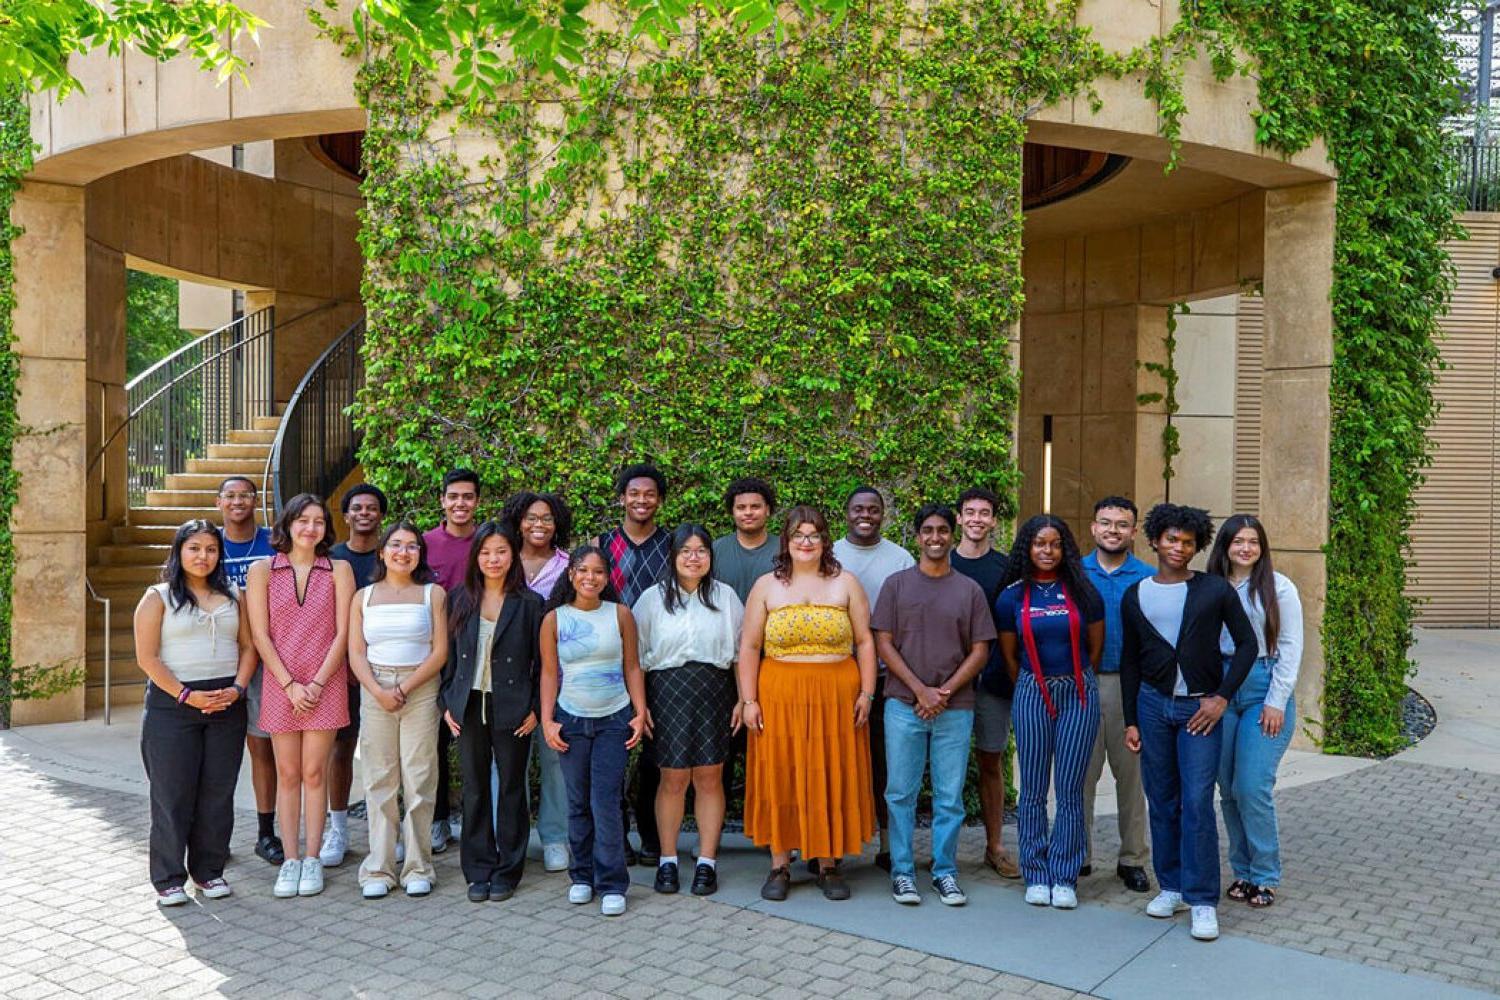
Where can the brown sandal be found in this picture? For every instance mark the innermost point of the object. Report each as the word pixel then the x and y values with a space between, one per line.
pixel 777 884
pixel 1261 896
pixel 1002 864
pixel 1240 890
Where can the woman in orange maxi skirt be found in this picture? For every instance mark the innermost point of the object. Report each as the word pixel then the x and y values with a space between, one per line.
pixel 805 704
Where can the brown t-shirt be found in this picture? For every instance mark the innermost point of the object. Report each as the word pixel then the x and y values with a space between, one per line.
pixel 934 621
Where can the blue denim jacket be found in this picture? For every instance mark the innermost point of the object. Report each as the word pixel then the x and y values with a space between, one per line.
pixel 1112 587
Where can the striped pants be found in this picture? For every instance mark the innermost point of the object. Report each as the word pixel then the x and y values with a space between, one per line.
pixel 1057 749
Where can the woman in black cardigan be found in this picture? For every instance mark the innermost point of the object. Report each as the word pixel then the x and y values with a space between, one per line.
pixel 1175 688
pixel 489 699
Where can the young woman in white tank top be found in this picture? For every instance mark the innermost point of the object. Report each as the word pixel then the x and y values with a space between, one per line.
pixel 398 642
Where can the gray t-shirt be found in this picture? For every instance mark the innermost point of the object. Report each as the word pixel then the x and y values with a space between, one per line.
pixel 934 621
pixel 741 567
pixel 1162 604
pixel 872 564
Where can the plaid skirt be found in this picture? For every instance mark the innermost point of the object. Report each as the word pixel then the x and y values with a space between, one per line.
pixel 691 706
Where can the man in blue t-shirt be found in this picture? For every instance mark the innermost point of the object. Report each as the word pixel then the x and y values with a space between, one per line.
pixel 244 543
pixel 1111 568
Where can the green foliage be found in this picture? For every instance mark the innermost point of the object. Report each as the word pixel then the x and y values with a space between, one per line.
pixel 734 255
pixel 151 330
pixel 38 37
pixel 15 161
pixel 1171 441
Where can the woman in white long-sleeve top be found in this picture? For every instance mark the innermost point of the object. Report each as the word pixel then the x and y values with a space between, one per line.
pixel 1261 718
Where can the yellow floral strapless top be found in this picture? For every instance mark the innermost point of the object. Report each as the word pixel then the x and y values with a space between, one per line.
pixel 808 630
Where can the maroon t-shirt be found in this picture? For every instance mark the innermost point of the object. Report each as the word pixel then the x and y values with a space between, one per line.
pixel 448 555
pixel 934 621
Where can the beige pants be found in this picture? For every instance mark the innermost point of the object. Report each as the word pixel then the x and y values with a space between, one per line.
pixel 1126 767
pixel 399 754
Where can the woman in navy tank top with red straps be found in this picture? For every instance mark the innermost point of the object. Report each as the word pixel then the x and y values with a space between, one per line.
pixel 1051 625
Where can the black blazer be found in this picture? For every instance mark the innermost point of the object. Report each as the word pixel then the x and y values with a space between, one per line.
pixel 1211 606
pixel 515 663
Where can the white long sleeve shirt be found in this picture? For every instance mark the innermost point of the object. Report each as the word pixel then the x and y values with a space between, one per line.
pixel 1288 638
pixel 691 634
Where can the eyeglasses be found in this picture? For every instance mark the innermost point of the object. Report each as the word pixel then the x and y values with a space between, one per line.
pixel 236 496
pixel 403 547
pixel 694 553
pixel 807 539
pixel 545 520
pixel 1117 525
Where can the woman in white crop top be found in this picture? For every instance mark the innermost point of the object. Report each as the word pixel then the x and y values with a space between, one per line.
pixel 398 642
pixel 193 642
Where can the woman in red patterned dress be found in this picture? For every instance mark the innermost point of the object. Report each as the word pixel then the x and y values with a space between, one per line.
pixel 299 615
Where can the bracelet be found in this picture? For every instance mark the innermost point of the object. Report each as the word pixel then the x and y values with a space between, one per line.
pixel 239 689
pixel 750 701
pixel 289 682
pixel 182 696
pixel 315 681
pixel 868 694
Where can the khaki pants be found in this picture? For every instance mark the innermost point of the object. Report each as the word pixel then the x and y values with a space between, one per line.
pixel 399 753
pixel 1126 767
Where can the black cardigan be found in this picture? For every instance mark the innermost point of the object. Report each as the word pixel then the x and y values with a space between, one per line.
pixel 515 663
pixel 1211 606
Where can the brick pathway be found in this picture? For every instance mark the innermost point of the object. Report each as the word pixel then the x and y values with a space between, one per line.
pixel 78 918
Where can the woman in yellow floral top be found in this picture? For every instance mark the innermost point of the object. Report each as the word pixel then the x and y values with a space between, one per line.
pixel 805 703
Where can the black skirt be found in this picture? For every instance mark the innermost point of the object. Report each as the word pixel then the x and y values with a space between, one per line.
pixel 691 706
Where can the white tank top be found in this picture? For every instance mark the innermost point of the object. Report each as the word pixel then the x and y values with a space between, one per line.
pixel 198 645
pixel 398 635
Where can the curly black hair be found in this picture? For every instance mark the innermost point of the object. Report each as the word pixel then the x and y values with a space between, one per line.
pixel 1171 515
pixel 514 512
pixel 1069 571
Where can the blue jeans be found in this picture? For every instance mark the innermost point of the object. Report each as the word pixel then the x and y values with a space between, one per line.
pixel 552 816
pixel 1247 774
pixel 594 770
pixel 1178 770
pixel 1057 749
pixel 910 741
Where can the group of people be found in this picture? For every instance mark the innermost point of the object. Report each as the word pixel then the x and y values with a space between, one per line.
pixel 845 670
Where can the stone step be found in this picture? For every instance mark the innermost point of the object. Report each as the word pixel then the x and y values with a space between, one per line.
pixel 121 610
pixel 122 693
pixel 133 555
pixel 182 498
pixel 145 534
pixel 141 576
pixel 222 467
pixel 209 480
pixel 268 423
pixel 244 452
pixel 170 516
pixel 121 645
pixel 256 436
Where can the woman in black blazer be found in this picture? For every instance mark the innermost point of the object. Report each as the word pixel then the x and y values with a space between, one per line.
pixel 489 700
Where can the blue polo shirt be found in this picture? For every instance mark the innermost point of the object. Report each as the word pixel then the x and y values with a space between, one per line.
pixel 1112 587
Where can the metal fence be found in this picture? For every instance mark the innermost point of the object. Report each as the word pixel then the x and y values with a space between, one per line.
pixel 1479 176
pixel 193 398
pixel 317 444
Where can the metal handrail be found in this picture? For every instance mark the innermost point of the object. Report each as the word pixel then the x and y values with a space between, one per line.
pixel 325 394
pixel 1478 175
pixel 94 595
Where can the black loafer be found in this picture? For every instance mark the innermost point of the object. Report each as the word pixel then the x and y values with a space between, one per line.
pixel 500 892
pixel 479 892
pixel 705 880
pixel 649 859
pixel 1134 877
pixel 831 881
pixel 268 849
pixel 776 885
pixel 666 879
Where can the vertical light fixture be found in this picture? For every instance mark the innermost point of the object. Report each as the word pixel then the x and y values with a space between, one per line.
pixel 1047 464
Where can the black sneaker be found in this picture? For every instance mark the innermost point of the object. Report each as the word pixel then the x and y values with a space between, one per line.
pixel 666 879
pixel 269 850
pixel 705 880
pixel 479 892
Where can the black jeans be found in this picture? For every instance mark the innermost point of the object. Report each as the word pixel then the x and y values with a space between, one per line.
pixel 441 808
pixel 877 752
pixel 647 783
pixel 485 853
pixel 193 764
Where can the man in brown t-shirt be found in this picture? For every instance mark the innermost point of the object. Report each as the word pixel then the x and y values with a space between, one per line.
pixel 933 629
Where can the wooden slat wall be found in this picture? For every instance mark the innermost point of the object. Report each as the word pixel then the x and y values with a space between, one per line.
pixel 1248 343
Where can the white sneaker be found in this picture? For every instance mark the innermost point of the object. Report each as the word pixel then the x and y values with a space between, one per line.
pixel 335 846
pixel 400 852
pixel 1165 904
pixel 578 893
pixel 455 826
pixel 287 879
pixel 1039 895
pixel 215 888
pixel 612 905
pixel 418 887
pixel 172 895
pixel 375 890
pixel 1205 923
pixel 555 857
pixel 1064 898
pixel 311 882
pixel 439 836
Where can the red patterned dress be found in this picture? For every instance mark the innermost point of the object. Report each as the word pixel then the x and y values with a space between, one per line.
pixel 302 631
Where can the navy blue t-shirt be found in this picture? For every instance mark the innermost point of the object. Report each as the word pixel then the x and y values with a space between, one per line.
pixel 1049 625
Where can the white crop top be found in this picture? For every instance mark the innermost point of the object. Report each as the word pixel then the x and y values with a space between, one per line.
pixel 398 635
pixel 198 645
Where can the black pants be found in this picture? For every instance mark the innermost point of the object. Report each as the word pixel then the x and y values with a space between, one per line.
pixel 485 853
pixel 877 751
pixel 192 763
pixel 647 781
pixel 441 808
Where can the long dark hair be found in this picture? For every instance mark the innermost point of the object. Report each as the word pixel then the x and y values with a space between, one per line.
pixel 281 531
pixel 671 593
pixel 564 593
pixel 175 577
pixel 1262 574
pixel 470 596
pixel 562 518
pixel 423 573
pixel 795 516
pixel 1069 571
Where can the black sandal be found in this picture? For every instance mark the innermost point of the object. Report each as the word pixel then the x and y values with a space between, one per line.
pixel 1240 890
pixel 1261 896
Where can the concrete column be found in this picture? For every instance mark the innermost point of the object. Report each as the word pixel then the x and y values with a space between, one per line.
pixel 49 520
pixel 1297 412
pixel 104 277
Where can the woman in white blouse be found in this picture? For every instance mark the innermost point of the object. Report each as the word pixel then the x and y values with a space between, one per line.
pixel 1256 723
pixel 689 629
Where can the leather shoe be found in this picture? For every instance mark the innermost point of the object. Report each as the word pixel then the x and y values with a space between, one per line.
pixel 831 881
pixel 1134 877
pixel 666 879
pixel 649 858
pixel 268 849
pixel 479 892
pixel 705 880
pixel 776 885
pixel 500 892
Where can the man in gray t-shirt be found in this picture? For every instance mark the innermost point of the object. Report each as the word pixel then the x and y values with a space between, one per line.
pixel 745 556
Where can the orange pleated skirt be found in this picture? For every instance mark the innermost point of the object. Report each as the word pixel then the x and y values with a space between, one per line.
pixel 808 772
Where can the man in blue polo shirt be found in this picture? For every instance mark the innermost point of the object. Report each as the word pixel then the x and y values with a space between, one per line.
pixel 1112 569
